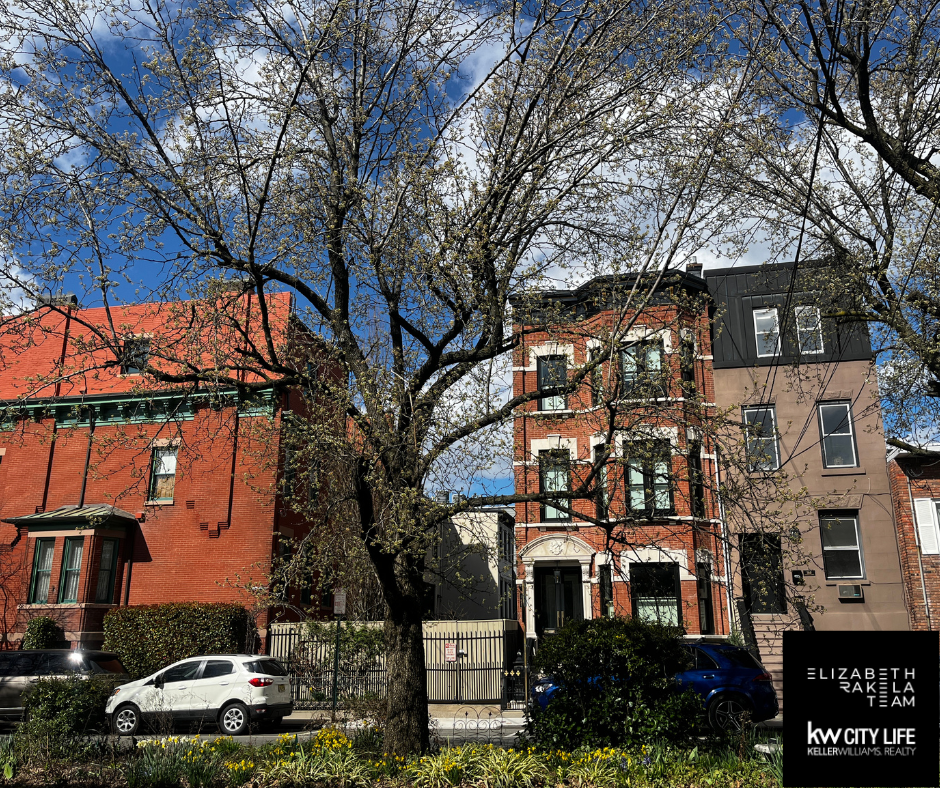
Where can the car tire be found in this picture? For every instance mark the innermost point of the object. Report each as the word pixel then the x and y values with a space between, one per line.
pixel 233 720
pixel 728 711
pixel 126 720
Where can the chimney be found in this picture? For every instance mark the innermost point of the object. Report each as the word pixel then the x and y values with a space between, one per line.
pixel 693 267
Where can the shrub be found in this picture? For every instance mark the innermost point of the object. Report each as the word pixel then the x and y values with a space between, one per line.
pixel 618 685
pixel 41 632
pixel 75 704
pixel 150 637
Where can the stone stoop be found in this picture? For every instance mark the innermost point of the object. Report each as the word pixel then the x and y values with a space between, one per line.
pixel 769 633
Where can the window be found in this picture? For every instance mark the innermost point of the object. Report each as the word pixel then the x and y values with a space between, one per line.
pixel 767 331
pixel 290 471
pixel 761 427
pixel 163 474
pixel 42 572
pixel 606 582
pixel 842 554
pixel 687 363
pixel 927 513
pixel 655 592
pixel 602 494
pixel 762 573
pixel 643 370
pixel 838 442
pixel 106 571
pixel 703 585
pixel 134 355
pixel 217 667
pixel 71 570
pixel 552 371
pixel 696 480
pixel 555 476
pixel 506 599
pixel 648 477
pixel 809 330
pixel 185 672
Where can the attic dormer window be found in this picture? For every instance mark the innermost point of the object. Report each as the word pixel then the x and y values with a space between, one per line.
pixel 135 354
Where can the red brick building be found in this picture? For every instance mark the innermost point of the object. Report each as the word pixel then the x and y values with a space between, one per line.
pixel 915 492
pixel 117 491
pixel 647 542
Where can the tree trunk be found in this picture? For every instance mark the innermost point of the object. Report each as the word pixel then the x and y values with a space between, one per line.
pixel 407 728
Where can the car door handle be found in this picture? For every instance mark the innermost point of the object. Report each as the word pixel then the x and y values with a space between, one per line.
pixel 708 676
pixel 223 683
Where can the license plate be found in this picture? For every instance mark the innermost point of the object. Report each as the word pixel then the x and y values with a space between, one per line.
pixel 282 688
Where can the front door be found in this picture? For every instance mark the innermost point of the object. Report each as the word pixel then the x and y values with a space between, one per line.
pixel 558 598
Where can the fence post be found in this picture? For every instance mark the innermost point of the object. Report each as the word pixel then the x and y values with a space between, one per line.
pixel 339 620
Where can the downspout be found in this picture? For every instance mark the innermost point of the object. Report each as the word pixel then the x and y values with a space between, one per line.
pixel 725 538
pixel 55 424
pixel 91 435
pixel 81 503
pixel 920 563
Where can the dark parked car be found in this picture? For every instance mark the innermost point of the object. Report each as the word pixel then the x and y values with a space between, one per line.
pixel 19 670
pixel 730 681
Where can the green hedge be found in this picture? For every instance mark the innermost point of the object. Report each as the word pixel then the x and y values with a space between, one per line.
pixel 150 637
pixel 75 703
pixel 618 686
pixel 41 632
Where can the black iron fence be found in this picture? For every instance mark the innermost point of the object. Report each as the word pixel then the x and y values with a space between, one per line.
pixel 462 667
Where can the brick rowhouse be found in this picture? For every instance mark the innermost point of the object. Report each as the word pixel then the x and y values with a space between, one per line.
pixel 652 546
pixel 117 491
pixel 915 492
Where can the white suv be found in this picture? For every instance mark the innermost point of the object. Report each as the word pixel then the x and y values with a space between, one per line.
pixel 233 690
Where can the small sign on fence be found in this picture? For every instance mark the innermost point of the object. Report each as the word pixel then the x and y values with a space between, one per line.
pixel 450 652
pixel 339 602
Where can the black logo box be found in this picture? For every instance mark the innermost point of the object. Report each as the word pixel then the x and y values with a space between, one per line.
pixel 862 709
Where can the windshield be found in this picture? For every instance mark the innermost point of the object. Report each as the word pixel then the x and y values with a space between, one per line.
pixel 106 665
pixel 269 667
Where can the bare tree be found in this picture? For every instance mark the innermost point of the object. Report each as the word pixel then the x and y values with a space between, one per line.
pixel 839 149
pixel 402 166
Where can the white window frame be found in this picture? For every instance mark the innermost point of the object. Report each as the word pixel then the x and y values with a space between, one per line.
pixel 556 399
pixel 765 312
pixel 926 523
pixel 814 333
pixel 748 438
pixel 858 545
pixel 823 434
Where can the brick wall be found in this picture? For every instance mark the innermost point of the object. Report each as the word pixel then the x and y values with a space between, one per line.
pixel 912 477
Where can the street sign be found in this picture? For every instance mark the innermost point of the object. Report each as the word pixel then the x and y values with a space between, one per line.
pixel 450 652
pixel 339 602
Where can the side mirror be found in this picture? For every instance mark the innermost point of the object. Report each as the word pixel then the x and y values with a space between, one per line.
pixel 158 682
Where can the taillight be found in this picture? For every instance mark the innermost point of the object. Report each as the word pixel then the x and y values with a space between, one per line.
pixel 763 677
pixel 261 682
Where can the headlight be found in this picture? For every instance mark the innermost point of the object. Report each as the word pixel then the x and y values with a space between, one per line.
pixel 539 688
pixel 116 691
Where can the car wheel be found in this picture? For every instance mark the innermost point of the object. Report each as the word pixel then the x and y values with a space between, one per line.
pixel 729 712
pixel 126 720
pixel 234 720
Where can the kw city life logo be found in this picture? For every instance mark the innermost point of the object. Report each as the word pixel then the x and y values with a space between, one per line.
pixel 881 688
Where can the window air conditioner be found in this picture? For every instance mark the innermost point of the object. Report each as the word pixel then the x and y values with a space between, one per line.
pixel 850 592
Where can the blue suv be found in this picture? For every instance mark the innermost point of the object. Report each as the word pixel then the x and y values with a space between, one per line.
pixel 729 680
